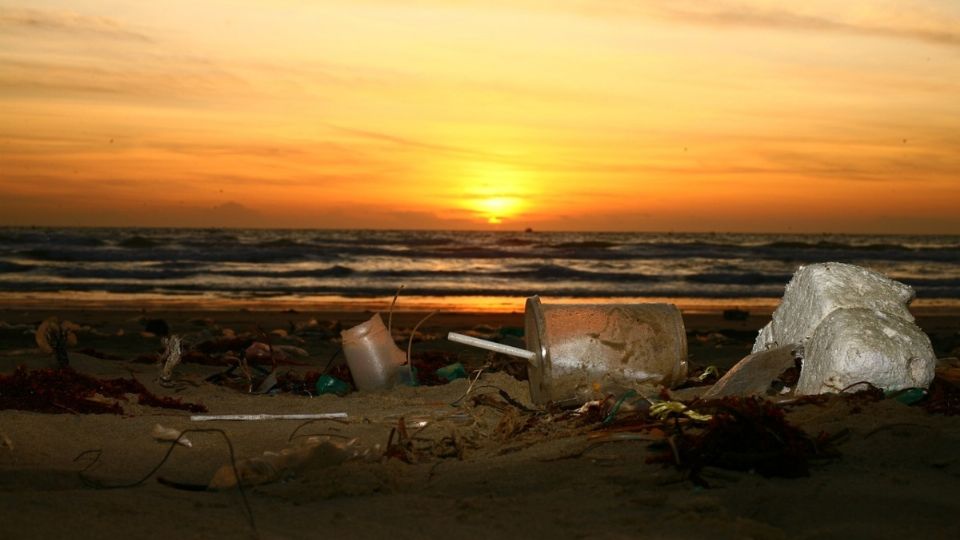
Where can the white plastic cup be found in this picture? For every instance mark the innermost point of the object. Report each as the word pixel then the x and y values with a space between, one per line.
pixel 582 348
pixel 374 359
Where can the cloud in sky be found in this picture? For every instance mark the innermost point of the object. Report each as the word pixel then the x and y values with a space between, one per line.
pixel 774 18
pixel 423 113
pixel 14 19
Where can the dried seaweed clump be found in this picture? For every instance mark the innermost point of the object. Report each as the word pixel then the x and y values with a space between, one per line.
pixel 66 391
pixel 745 434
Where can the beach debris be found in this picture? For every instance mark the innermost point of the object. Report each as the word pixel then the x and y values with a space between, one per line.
pixel 165 434
pixel 753 375
pixel 452 372
pixel 856 345
pixel 266 384
pixel 5 441
pixel 375 360
pixel 854 327
pixel 416 448
pixel 172 354
pixel 327 384
pixel 309 453
pixel 943 396
pixel 817 290
pixel 261 352
pixel 261 417
pixel 582 348
pixel 492 346
pixel 53 337
pixel 64 390
pixel 744 434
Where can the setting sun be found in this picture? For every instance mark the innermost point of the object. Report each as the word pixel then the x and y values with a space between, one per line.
pixel 640 116
pixel 497 208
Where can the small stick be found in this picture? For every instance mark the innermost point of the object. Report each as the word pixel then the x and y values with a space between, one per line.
pixel 410 341
pixel 390 312
pixel 493 346
pixel 251 417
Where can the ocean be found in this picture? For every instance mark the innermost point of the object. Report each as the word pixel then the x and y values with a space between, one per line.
pixel 465 270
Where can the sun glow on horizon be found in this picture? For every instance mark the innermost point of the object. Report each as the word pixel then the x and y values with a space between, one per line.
pixel 495 192
pixel 688 115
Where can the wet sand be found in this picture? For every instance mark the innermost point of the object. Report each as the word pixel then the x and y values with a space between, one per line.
pixel 898 475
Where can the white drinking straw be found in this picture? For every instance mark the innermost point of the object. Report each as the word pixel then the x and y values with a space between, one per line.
pixel 321 416
pixel 493 346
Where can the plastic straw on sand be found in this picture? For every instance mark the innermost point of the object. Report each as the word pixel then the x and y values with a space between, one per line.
pixel 492 346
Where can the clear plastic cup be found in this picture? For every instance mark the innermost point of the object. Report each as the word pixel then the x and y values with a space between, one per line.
pixel 583 348
pixel 374 359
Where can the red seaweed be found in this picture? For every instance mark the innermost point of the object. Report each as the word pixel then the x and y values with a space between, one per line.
pixel 744 434
pixel 943 397
pixel 67 391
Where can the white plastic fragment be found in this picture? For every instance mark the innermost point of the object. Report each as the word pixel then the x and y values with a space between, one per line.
pixel 866 345
pixel 165 434
pixel 492 346
pixel 819 289
pixel 373 357
pixel 255 417
pixel 752 375
pixel 854 326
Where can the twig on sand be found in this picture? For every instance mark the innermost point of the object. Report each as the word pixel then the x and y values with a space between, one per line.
pixel 390 311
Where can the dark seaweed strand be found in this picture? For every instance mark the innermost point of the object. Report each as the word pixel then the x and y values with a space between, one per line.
pixel 233 463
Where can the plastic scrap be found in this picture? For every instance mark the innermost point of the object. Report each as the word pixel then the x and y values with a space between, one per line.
pixel 165 434
pixel 452 372
pixel 257 417
pixel 331 385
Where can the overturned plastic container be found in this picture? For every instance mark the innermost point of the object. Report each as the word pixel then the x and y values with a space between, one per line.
pixel 579 349
pixel 374 359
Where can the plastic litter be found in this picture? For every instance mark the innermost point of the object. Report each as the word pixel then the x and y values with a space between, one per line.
pixel 865 345
pixel 374 359
pixel 492 346
pixel 752 375
pixel 256 417
pixel 854 326
pixel 452 372
pixel 584 347
pixel 331 385
pixel 165 434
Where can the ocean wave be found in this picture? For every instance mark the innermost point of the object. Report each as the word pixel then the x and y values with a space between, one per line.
pixel 7 267
pixel 141 242
pixel 751 278
pixel 585 244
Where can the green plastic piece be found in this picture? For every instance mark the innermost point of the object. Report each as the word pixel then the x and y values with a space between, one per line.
pixel 452 372
pixel 332 385
pixel 616 406
pixel 908 396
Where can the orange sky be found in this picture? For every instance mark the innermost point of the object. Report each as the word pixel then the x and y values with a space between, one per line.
pixel 674 115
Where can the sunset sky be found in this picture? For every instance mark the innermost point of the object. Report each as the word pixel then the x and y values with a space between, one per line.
pixel 711 115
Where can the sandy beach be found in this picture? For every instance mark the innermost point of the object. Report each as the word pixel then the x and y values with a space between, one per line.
pixel 480 468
